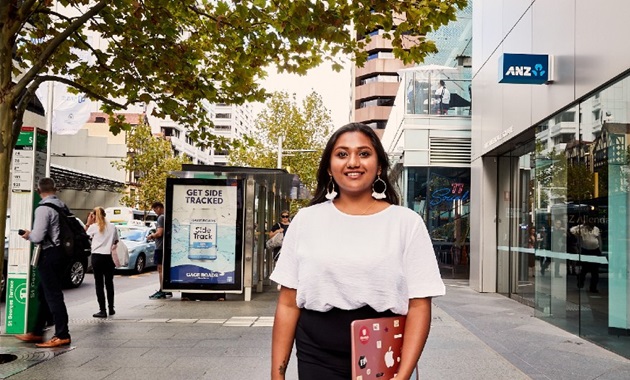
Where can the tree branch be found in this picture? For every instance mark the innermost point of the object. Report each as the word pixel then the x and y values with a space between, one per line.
pixel 86 90
pixel 221 21
pixel 53 44
pixel 79 37
pixel 24 99
pixel 22 15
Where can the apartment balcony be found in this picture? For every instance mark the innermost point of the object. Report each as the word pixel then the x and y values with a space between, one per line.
pixel 376 89
pixel 378 42
pixel 379 65
pixel 564 127
pixel 372 113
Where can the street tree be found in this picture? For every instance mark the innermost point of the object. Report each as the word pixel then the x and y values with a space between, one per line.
pixel 150 160
pixel 176 53
pixel 304 129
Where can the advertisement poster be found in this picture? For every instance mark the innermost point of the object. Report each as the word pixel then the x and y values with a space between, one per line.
pixel 203 234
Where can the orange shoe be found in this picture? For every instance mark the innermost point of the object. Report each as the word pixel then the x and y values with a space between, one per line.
pixel 30 338
pixel 54 342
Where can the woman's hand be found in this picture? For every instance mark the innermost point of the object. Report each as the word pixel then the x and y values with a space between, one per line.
pixel 91 219
pixel 415 337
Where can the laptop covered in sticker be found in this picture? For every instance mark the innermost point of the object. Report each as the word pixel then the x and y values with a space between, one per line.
pixel 376 347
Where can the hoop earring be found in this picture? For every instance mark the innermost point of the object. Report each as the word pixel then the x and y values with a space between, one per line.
pixel 330 190
pixel 379 195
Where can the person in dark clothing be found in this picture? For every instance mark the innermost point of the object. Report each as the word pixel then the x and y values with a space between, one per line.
pixel 281 226
pixel 50 267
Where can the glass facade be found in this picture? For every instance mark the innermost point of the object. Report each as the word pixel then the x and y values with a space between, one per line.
pixel 442 196
pixel 563 224
pixel 425 96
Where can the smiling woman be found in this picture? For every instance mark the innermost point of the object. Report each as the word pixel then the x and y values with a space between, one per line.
pixel 352 230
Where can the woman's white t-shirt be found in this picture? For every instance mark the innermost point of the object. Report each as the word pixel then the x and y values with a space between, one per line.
pixel 102 242
pixel 336 260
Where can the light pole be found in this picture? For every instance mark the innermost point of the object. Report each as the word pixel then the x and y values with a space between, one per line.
pixel 281 151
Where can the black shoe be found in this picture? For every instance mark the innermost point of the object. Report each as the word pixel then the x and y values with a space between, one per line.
pixel 100 314
pixel 112 311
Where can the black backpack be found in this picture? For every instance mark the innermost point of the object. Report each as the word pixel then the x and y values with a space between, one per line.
pixel 75 242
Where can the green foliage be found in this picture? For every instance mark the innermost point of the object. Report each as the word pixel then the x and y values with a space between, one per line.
pixel 176 53
pixel 180 53
pixel 302 127
pixel 151 159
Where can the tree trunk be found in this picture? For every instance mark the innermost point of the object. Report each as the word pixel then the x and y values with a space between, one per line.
pixel 6 149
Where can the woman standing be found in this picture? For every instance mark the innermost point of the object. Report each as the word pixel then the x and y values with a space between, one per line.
pixel 104 237
pixel 281 226
pixel 352 254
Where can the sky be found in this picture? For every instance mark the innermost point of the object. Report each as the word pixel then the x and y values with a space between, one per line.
pixel 334 88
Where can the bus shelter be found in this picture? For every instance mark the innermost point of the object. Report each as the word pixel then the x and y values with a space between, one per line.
pixel 216 219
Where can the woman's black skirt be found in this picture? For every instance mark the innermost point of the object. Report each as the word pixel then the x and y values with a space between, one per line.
pixel 323 345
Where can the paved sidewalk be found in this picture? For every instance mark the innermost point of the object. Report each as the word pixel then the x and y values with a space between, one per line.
pixel 473 336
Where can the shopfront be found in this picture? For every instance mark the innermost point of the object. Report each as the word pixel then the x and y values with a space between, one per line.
pixel 441 195
pixel 563 244
pixel 549 168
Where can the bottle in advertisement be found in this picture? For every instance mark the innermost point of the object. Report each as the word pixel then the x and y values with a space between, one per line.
pixel 203 236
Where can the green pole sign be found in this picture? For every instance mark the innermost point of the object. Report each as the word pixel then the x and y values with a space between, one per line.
pixel 27 167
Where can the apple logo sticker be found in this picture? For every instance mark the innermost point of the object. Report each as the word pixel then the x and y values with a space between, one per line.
pixel 389 358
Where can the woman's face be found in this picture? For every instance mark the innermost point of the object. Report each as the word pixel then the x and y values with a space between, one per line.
pixel 354 163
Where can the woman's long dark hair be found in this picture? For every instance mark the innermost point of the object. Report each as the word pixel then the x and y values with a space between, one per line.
pixel 391 196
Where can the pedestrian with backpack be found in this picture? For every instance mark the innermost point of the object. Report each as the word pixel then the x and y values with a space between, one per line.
pixel 104 236
pixel 50 267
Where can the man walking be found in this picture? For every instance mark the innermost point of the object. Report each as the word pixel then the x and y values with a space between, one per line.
pixel 50 268
pixel 158 236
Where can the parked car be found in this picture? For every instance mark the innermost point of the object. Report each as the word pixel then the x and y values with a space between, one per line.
pixel 136 252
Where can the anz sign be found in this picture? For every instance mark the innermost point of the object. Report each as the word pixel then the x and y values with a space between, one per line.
pixel 525 68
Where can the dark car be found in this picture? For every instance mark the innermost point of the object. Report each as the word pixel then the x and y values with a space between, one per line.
pixel 74 273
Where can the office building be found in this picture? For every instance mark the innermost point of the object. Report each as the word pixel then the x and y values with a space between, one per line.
pixel 550 175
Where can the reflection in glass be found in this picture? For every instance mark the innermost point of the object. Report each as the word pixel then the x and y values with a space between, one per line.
pixel 441 196
pixel 566 201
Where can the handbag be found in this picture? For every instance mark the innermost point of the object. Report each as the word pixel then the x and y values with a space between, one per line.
pixel 275 241
pixel 114 252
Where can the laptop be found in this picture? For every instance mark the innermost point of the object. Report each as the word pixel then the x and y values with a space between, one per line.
pixel 376 347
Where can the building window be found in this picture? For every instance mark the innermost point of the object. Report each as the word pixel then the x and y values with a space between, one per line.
pixel 565 117
pixel 100 119
pixel 384 102
pixel 377 124
pixel 224 116
pixel 380 55
pixel 382 78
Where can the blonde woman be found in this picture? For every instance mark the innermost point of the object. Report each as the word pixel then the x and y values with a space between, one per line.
pixel 104 237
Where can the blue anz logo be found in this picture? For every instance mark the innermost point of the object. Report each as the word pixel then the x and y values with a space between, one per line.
pixel 538 70
pixel 524 69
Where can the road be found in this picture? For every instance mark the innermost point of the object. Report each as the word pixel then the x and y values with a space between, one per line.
pixel 123 282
